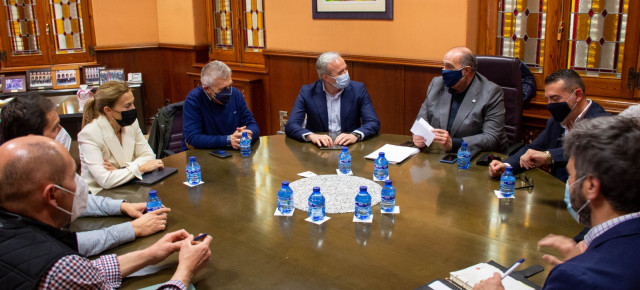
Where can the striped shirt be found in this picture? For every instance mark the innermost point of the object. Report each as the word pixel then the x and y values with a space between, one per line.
pixel 605 226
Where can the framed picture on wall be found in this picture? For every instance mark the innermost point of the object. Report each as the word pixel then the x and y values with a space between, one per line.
pixel 14 84
pixel 39 79
pixel 112 74
pixel 92 74
pixel 352 9
pixel 66 76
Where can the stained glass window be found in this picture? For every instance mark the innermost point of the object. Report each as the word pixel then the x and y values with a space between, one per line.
pixel 254 25
pixel 521 29
pixel 223 20
pixel 22 26
pixel 66 20
pixel 596 37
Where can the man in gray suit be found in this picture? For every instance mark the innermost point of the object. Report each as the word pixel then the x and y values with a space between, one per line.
pixel 464 106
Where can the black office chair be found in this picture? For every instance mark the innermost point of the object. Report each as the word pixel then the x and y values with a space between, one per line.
pixel 165 137
pixel 505 72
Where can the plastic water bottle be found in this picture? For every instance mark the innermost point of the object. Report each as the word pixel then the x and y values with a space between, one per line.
pixel 245 145
pixel 194 175
pixel 507 182
pixel 285 204
pixel 363 204
pixel 316 205
pixel 464 156
pixel 153 202
pixel 344 164
pixel 388 197
pixel 381 167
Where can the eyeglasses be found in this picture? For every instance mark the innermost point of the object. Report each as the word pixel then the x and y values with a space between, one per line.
pixel 524 181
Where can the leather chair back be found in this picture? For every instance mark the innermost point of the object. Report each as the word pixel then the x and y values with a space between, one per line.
pixel 505 72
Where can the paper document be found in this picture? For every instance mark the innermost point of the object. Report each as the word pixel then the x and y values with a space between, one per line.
pixel 394 153
pixel 422 128
pixel 468 277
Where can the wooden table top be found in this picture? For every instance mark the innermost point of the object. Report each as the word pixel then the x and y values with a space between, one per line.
pixel 449 219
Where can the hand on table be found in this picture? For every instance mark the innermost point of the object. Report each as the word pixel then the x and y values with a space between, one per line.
pixel 133 210
pixel 166 245
pixel 150 222
pixel 345 139
pixel 193 257
pixel 496 168
pixel 151 165
pixel 320 140
pixel 442 137
pixel 495 282
pixel 237 135
pixel 419 141
pixel 533 158
pixel 567 247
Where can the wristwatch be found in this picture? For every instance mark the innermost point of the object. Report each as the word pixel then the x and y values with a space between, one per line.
pixel 549 159
pixel 358 135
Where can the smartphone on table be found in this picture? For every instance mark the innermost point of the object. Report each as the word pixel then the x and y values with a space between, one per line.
pixel 449 158
pixel 220 153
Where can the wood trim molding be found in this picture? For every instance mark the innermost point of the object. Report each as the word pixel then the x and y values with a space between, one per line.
pixel 152 45
pixel 358 58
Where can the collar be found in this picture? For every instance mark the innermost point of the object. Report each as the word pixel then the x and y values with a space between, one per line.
pixel 329 95
pixel 580 117
pixel 605 226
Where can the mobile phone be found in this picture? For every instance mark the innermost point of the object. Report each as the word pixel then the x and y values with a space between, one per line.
pixel 449 158
pixel 220 153
pixel 200 237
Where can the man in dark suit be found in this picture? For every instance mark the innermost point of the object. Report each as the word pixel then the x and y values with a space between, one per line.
pixel 464 106
pixel 564 90
pixel 603 182
pixel 333 104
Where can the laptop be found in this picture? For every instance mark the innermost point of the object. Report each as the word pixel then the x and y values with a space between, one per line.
pixel 152 177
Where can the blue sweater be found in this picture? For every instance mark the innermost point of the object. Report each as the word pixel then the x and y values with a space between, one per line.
pixel 206 124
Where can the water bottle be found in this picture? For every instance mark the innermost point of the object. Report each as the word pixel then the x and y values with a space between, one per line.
pixel 285 203
pixel 388 197
pixel 507 182
pixel 194 175
pixel 245 145
pixel 381 167
pixel 344 164
pixel 153 202
pixel 464 156
pixel 363 204
pixel 316 205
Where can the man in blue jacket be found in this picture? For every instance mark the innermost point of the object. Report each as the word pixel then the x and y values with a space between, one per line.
pixel 333 104
pixel 564 90
pixel 603 182
pixel 215 113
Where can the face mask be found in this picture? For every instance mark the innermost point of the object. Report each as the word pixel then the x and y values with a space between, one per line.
pixel 128 117
pixel 224 96
pixel 451 77
pixel 561 110
pixel 80 198
pixel 342 81
pixel 581 213
pixel 64 138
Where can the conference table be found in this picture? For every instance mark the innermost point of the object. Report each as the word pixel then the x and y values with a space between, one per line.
pixel 449 219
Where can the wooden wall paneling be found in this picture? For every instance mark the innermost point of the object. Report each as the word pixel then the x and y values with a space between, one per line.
pixel 385 86
pixel 416 83
pixel 181 62
pixel 286 76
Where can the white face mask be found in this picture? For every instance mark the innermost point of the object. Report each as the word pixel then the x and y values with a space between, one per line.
pixel 64 138
pixel 80 198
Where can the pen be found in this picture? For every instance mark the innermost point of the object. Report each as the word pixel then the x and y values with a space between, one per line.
pixel 200 237
pixel 518 263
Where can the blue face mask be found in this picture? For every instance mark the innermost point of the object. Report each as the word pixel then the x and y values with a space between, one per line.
pixel 225 95
pixel 451 77
pixel 342 81
pixel 584 219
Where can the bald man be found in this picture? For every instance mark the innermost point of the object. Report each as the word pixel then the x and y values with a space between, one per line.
pixel 463 105
pixel 37 198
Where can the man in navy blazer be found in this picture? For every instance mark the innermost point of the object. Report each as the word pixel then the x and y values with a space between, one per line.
pixel 564 91
pixel 603 183
pixel 333 104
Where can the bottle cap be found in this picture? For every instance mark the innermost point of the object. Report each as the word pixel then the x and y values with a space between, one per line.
pixel 345 148
pixel 381 154
pixel 244 134
pixel 316 189
pixel 509 168
pixel 222 152
pixel 285 183
pixel 153 193
pixel 192 158
pixel 363 188
pixel 464 144
pixel 387 182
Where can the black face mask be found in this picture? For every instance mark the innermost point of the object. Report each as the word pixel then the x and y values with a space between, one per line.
pixel 225 95
pixel 561 110
pixel 128 117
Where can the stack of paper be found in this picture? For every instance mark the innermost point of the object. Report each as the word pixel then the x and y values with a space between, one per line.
pixel 394 154
pixel 468 277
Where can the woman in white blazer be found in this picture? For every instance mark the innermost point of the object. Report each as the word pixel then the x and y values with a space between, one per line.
pixel 113 150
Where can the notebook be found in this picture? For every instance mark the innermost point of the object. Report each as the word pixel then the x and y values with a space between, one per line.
pixel 468 277
pixel 152 177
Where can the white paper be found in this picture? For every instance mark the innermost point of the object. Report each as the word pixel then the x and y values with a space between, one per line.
pixel 326 218
pixel 357 220
pixel 499 194
pixel 340 173
pixel 437 285
pixel 394 153
pixel 423 128
pixel 307 174
pixel 192 185
pixel 396 210
pixel 279 213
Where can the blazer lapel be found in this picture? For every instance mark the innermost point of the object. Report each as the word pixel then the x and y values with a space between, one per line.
pixel 469 101
pixel 320 100
pixel 346 100
pixel 111 140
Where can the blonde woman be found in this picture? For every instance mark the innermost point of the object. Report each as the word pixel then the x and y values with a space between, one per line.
pixel 113 150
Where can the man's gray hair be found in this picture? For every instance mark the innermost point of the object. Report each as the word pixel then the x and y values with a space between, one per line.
pixel 631 112
pixel 323 61
pixel 607 149
pixel 213 71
